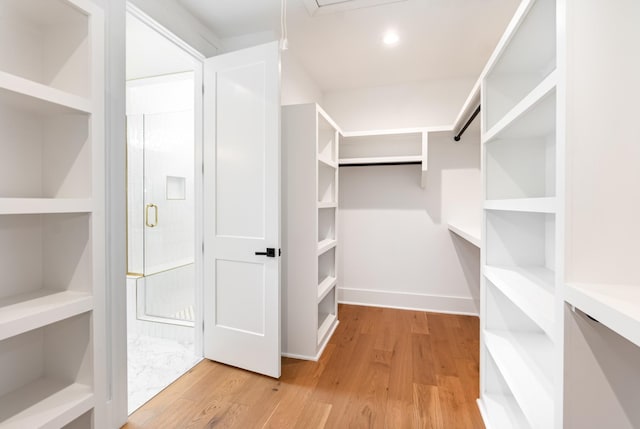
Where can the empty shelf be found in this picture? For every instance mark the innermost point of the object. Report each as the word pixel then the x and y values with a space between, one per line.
pixel 514 354
pixel 33 96
pixel 45 403
pixel 327 205
pixel 533 116
pixel 531 205
pixel 325 245
pixel 615 306
pixel 471 234
pixel 22 313
pixel 325 287
pixel 380 160
pixel 530 289
pixel 328 163
pixel 11 206
pixel 502 411
pixel 326 321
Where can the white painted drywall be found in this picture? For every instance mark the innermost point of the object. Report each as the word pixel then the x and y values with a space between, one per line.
pixel 398 106
pixel 297 86
pixel 180 22
pixel 395 247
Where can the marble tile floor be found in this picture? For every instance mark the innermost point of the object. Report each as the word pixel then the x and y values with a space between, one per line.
pixel 153 364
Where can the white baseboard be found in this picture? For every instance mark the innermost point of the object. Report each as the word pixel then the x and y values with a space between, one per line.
pixel 301 357
pixel 409 301
pixel 315 358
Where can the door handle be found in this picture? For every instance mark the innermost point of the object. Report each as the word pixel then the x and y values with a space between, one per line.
pixel 270 253
pixel 146 215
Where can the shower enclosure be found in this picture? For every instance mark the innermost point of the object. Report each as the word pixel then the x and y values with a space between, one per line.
pixel 160 197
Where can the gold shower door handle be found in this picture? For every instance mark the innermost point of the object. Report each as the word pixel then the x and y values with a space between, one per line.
pixel 146 215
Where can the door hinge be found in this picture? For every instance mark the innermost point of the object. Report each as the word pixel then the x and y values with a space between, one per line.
pixel 203 89
pixel 203 247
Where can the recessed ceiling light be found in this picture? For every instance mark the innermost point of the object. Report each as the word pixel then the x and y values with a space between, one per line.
pixel 391 38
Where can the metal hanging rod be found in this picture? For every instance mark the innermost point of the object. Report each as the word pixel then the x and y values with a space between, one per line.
pixel 473 116
pixel 381 163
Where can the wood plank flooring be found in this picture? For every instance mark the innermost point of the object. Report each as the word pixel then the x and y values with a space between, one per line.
pixel 383 368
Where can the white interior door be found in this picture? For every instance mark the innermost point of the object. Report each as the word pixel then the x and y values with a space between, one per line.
pixel 242 209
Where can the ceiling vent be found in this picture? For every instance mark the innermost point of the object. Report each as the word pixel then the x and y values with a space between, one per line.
pixel 322 7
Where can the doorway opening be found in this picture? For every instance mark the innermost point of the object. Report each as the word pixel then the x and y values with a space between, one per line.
pixel 162 201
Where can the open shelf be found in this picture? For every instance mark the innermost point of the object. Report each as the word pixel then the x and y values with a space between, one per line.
pixel 31 96
pixel 325 287
pixel 53 41
pixel 327 139
pixel 389 160
pixel 391 144
pixel 47 374
pixel 326 225
pixel 471 234
pixel 533 116
pixel 45 156
pixel 498 406
pixel 22 313
pixel 328 163
pixel 532 205
pixel 512 353
pixel 326 314
pixel 327 184
pixel 326 245
pixel 525 56
pixel 520 239
pixel 12 206
pixel 327 205
pixel 615 306
pixel 531 289
pixel 502 411
pixel 45 403
pixel 48 251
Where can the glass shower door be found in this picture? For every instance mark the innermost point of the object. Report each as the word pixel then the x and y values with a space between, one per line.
pixel 169 277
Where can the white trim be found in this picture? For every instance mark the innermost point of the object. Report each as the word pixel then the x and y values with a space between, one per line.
pixel 409 301
pixel 117 307
pixel 163 31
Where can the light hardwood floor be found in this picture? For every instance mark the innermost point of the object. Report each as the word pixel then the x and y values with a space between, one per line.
pixel 383 368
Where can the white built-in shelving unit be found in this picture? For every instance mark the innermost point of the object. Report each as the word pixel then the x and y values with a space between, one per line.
pixel 389 147
pixel 310 276
pixel 561 291
pixel 521 332
pixel 51 214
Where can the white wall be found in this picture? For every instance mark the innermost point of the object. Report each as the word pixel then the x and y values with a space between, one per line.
pixel 180 22
pixel 297 86
pixel 398 106
pixel 396 249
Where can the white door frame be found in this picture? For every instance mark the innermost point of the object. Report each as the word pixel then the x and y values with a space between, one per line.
pixel 118 340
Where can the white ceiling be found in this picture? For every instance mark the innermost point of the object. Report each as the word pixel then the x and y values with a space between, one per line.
pixel 439 39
